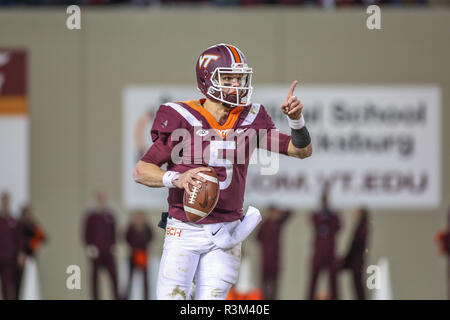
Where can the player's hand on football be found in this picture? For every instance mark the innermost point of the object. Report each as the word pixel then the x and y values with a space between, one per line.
pixel 190 177
pixel 292 106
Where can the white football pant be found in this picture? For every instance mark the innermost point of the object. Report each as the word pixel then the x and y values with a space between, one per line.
pixel 189 251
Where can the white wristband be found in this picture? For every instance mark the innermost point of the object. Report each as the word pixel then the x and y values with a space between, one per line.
pixel 296 124
pixel 168 178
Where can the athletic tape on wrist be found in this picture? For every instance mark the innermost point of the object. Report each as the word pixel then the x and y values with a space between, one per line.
pixel 296 124
pixel 168 178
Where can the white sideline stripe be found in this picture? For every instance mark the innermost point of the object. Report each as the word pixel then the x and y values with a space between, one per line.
pixel 193 121
pixel 207 177
pixel 195 211
pixel 250 116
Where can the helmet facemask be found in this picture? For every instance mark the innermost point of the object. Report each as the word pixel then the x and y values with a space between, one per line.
pixel 236 96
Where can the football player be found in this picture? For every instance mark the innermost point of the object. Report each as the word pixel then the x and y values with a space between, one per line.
pixel 226 122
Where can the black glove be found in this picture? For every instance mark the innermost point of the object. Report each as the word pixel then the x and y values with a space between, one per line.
pixel 163 222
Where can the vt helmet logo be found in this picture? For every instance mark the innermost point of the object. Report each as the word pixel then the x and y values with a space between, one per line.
pixel 205 59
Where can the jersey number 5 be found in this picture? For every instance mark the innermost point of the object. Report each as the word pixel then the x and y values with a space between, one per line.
pixel 214 160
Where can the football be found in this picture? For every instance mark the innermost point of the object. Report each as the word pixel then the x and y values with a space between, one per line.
pixel 202 200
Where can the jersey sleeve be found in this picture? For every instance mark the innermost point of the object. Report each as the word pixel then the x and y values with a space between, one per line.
pixel 166 121
pixel 275 141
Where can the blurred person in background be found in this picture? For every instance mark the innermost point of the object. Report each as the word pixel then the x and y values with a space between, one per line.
pixel 269 235
pixel 138 236
pixel 443 240
pixel 326 223
pixel 32 236
pixel 355 257
pixel 100 239
pixel 11 253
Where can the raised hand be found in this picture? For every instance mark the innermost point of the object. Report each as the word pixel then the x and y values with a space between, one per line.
pixel 291 106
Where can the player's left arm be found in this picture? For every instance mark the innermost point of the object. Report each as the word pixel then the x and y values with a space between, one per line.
pixel 301 153
pixel 300 145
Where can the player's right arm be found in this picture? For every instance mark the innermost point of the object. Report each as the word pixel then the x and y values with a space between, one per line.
pixel 151 175
pixel 148 174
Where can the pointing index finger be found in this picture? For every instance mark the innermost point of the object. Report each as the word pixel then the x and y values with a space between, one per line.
pixel 291 89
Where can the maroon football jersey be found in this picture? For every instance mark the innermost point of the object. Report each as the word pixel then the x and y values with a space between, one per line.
pixel 186 136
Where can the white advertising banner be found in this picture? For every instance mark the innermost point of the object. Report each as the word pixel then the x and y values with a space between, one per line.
pixel 14 128
pixel 14 173
pixel 378 146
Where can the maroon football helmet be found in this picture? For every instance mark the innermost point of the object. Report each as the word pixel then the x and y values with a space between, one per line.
pixel 213 64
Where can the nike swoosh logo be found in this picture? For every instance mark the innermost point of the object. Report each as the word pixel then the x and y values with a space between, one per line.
pixel 214 233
